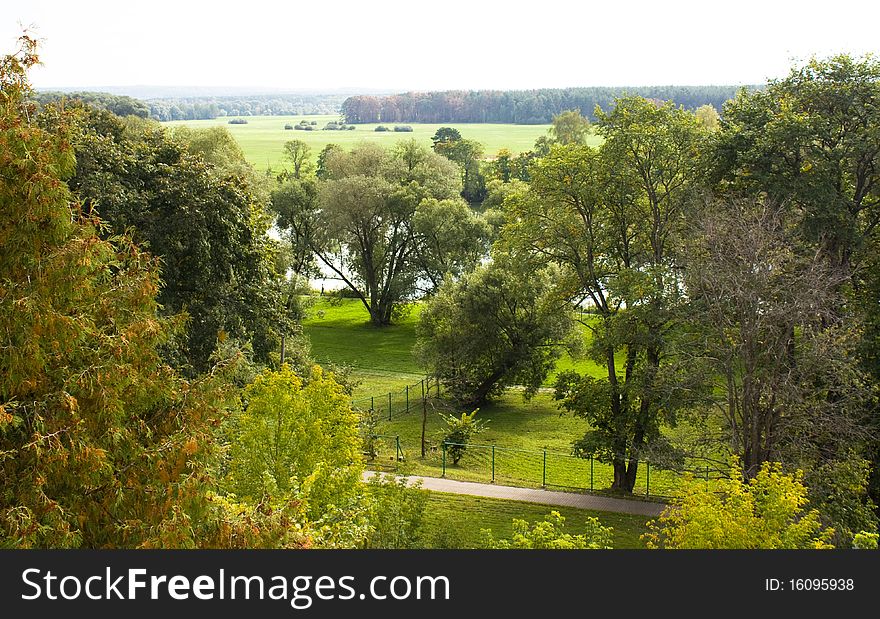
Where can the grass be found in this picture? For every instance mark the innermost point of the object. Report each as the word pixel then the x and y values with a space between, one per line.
pixel 381 357
pixel 453 520
pixel 382 360
pixel 263 137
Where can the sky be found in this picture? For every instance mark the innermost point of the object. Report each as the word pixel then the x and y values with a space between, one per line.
pixel 411 45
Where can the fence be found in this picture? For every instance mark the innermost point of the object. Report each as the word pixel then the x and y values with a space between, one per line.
pixel 394 403
pixel 506 465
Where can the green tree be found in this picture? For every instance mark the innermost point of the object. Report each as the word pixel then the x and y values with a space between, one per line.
pixel 769 511
pixel 362 228
pixel 570 127
pixel 299 154
pixel 296 440
pixel 101 443
pixel 549 534
pixel 497 326
pixel 459 432
pixel 208 228
pixel 450 238
pixel 612 218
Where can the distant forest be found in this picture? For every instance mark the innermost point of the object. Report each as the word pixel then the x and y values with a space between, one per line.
pixel 525 107
pixel 203 107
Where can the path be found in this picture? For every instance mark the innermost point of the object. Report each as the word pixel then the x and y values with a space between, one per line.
pixel 531 495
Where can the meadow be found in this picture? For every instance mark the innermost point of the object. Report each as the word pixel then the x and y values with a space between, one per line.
pixel 520 430
pixel 263 137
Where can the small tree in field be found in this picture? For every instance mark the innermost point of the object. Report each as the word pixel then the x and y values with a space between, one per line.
pixel 459 431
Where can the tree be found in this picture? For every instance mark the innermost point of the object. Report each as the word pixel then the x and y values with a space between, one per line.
pixel 612 219
pixel 809 142
pixel 297 440
pixel 468 155
pixel 768 511
pixel 451 239
pixel 708 117
pixel 101 443
pixel 570 127
pixel 321 170
pixel 495 327
pixel 444 135
pixel 362 222
pixel 549 535
pixel 206 225
pixel 300 156
pixel 459 431
pixel 763 304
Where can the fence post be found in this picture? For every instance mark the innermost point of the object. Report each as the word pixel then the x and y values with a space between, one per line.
pixel 389 406
pixel 648 479
pixel 591 472
pixel 407 398
pixel 372 404
pixel 544 474
pixel 444 460
pixel 493 464
pixel 397 447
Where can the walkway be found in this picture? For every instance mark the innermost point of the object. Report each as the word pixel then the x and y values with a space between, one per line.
pixel 531 495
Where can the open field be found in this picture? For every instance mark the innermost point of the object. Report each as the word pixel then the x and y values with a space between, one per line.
pixel 455 521
pixel 263 137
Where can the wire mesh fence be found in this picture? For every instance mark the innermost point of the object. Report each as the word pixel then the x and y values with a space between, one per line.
pixel 394 403
pixel 503 465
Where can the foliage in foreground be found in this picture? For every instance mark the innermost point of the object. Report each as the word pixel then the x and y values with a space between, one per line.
pixel 769 511
pixel 549 535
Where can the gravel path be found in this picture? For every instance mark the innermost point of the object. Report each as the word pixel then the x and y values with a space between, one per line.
pixel 531 495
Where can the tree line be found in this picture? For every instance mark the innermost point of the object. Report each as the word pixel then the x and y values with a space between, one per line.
pixel 527 107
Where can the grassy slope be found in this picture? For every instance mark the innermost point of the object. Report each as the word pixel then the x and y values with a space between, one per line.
pixel 263 137
pixel 458 519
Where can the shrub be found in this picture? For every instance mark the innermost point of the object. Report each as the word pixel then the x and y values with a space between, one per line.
pixel 313 123
pixel 350 128
pixel 396 513
pixel 459 431
pixel 381 128
pixel 766 512
pixel 238 121
pixel 288 127
pixel 549 535
pixel 402 128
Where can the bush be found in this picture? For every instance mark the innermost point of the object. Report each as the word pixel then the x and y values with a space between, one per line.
pixel 549 535
pixel 350 128
pixel 238 121
pixel 288 127
pixel 402 128
pixel 766 512
pixel 309 127
pixel 300 127
pixel 459 431
pixel 381 128
pixel 313 123
pixel 396 513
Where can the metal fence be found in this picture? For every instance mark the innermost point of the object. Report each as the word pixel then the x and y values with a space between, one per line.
pixel 506 465
pixel 394 403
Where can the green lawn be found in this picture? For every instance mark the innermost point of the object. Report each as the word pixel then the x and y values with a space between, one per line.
pixel 520 430
pixel 263 137
pixel 455 521
pixel 381 357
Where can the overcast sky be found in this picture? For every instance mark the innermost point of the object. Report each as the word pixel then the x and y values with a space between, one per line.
pixel 427 45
